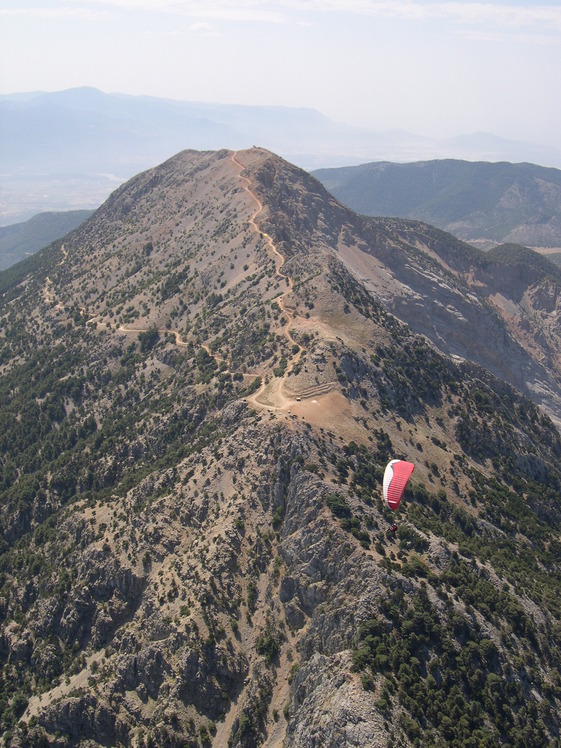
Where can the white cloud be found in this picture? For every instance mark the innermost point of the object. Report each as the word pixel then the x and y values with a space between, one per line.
pixel 496 37
pixel 513 16
pixel 202 28
pixel 62 11
pixel 492 13
pixel 226 10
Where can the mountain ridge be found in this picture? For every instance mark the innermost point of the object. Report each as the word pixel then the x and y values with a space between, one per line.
pixel 482 203
pixel 19 240
pixel 199 394
pixel 70 149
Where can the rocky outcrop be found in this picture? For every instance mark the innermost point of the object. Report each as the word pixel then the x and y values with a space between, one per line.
pixel 342 713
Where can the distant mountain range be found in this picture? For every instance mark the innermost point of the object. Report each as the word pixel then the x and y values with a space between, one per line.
pixel 200 389
pixel 70 149
pixel 22 239
pixel 483 203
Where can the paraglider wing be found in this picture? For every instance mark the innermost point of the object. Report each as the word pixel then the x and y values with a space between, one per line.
pixel 396 475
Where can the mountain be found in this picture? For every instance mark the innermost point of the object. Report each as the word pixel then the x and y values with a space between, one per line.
pixel 201 387
pixel 482 203
pixel 22 239
pixel 69 149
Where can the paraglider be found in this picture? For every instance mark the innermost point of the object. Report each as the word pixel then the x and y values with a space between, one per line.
pixel 396 475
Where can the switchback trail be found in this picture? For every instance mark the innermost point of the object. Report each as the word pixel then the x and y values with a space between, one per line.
pixel 271 394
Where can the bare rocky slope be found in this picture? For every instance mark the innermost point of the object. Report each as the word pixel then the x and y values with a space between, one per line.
pixel 200 389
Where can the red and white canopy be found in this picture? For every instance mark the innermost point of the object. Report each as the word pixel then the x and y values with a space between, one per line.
pixel 396 475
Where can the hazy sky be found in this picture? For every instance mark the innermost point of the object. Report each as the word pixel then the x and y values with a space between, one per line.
pixel 435 67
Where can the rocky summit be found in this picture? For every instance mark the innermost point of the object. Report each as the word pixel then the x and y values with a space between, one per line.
pixel 200 389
